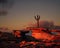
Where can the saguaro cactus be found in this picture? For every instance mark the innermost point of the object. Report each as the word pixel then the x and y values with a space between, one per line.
pixel 37 18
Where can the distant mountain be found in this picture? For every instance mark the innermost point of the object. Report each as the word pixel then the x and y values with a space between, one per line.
pixel 57 27
pixel 5 29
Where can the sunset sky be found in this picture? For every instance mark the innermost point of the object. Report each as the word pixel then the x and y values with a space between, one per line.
pixel 23 11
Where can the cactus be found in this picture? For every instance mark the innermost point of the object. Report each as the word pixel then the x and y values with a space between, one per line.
pixel 37 19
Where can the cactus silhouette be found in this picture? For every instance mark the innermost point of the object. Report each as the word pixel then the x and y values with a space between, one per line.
pixel 37 18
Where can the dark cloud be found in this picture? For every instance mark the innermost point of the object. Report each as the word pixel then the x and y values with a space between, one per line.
pixel 5 5
pixel 3 13
pixel 3 1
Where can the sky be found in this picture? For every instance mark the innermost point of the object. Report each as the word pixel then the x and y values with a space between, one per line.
pixel 22 13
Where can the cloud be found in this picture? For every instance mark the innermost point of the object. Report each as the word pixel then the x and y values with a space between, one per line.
pixel 3 1
pixel 5 5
